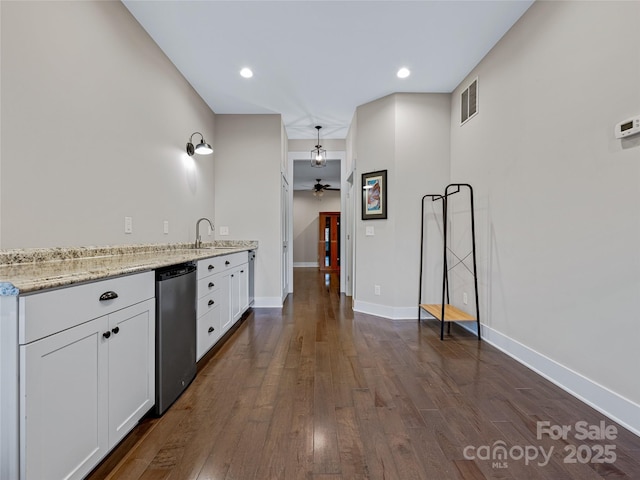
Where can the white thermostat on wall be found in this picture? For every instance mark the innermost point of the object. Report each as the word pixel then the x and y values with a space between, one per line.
pixel 628 127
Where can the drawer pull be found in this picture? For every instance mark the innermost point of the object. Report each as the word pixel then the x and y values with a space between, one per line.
pixel 115 330
pixel 211 329
pixel 106 334
pixel 110 295
pixel 227 262
pixel 211 285
pixel 211 302
pixel 211 267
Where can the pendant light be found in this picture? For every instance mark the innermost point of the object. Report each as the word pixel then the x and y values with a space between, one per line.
pixel 318 155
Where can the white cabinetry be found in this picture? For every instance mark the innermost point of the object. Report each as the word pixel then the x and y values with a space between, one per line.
pixel 87 372
pixel 131 367
pixel 223 296
pixel 239 291
pixel 212 290
pixel 243 290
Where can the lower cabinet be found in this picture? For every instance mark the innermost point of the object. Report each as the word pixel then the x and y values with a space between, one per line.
pixel 223 296
pixel 239 291
pixel 210 312
pixel 65 432
pixel 131 367
pixel 83 389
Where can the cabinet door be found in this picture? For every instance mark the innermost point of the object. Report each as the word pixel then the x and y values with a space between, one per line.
pixel 234 296
pixel 63 389
pixel 131 367
pixel 226 318
pixel 243 288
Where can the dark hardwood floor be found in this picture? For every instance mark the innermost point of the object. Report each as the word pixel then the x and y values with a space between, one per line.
pixel 317 392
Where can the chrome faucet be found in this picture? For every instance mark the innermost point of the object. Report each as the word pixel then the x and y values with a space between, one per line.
pixel 198 243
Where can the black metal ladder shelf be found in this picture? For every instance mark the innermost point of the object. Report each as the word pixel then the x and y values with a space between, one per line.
pixel 445 312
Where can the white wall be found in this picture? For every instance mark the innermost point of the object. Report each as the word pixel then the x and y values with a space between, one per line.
pixel 94 123
pixel 305 224
pixel 421 167
pixel 559 227
pixel 249 150
pixel 407 135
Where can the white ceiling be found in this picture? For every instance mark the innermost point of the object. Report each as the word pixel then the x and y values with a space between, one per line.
pixel 314 62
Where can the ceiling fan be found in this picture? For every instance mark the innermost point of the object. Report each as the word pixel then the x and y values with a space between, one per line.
pixel 319 188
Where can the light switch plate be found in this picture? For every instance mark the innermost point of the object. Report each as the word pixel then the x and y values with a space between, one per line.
pixel 224 230
pixel 166 227
pixel 369 232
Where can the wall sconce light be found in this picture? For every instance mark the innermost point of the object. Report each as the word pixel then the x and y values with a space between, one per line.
pixel 203 148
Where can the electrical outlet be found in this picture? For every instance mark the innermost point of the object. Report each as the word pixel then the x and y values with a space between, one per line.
pixel 465 298
pixel 166 227
pixel 376 289
pixel 128 225
pixel 224 230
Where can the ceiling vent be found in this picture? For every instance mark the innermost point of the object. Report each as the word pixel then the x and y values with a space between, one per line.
pixel 469 102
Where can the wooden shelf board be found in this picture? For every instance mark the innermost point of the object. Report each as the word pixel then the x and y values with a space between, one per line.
pixel 451 313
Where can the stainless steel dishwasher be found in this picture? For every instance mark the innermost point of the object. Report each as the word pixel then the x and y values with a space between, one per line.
pixel 175 332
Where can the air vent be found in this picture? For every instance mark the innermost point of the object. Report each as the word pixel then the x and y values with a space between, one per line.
pixel 469 102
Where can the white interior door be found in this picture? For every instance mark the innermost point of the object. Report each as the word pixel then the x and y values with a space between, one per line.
pixel 285 237
pixel 349 231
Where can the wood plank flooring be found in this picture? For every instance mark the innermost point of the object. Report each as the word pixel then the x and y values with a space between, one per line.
pixel 317 392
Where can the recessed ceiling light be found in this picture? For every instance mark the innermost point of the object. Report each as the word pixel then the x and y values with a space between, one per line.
pixel 246 73
pixel 403 72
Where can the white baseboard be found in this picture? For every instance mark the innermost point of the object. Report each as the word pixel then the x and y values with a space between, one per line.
pixel 392 313
pixel 267 302
pixel 305 264
pixel 604 400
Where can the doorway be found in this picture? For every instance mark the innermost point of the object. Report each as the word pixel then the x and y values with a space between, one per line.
pixel 329 241
pixel 285 210
pixel 303 251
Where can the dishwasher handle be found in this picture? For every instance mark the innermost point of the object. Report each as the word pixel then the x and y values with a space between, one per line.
pixel 174 271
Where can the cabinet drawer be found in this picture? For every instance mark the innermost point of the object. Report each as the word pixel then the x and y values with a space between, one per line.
pixel 236 259
pixel 208 331
pixel 209 302
pixel 46 313
pixel 208 285
pixel 221 263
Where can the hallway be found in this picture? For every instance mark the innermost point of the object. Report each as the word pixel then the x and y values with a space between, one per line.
pixel 318 392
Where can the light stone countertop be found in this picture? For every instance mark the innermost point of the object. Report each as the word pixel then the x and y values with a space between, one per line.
pixel 32 270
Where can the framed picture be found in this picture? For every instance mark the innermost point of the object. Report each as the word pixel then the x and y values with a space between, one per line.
pixel 374 195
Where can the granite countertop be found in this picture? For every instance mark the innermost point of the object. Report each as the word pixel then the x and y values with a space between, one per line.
pixel 31 270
